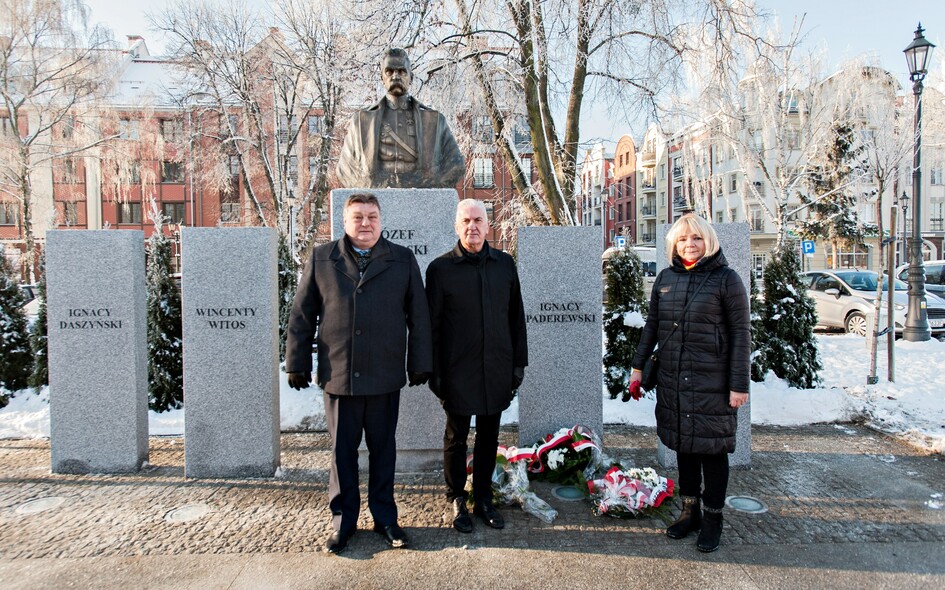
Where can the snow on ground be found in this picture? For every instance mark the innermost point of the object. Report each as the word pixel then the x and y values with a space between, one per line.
pixel 913 407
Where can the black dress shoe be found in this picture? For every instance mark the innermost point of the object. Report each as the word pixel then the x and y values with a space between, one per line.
pixel 461 520
pixel 489 515
pixel 338 542
pixel 395 536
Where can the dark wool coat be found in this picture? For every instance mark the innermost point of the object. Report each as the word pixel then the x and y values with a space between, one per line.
pixel 478 330
pixel 706 358
pixel 362 322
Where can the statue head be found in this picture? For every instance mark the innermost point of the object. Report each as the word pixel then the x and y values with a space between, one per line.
pixel 395 71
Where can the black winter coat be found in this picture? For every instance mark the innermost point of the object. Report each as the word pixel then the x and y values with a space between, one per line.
pixel 362 322
pixel 706 358
pixel 478 321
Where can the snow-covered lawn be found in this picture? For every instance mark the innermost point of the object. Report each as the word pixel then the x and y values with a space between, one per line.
pixel 913 407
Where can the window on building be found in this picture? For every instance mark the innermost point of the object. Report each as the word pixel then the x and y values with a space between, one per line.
pixel 6 127
pixel 719 217
pixel 64 171
pixel 287 127
pixel 232 125
pixel 758 262
pixel 490 211
pixel 314 125
pixel 172 130
pixel 69 213
pixel 229 212
pixel 172 172
pixel 521 133
pixel 318 214
pixel 733 215
pixel 129 213
pixel 733 183
pixel 792 138
pixel 67 127
pixel 173 212
pixel 759 187
pixel 9 213
pixel 482 173
pixel 757 220
pixel 291 167
pixel 662 171
pixel 129 174
pixel 935 175
pixel 313 162
pixel 662 198
pixel 127 129
pixel 527 167
pixel 234 165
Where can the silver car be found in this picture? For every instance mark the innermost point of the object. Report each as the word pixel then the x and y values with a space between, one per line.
pixel 845 299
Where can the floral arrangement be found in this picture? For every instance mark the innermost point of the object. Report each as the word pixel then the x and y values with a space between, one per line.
pixel 574 456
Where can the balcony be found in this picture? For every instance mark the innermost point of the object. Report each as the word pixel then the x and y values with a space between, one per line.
pixel 648 185
pixel 648 211
pixel 648 238
pixel 677 172
pixel 648 159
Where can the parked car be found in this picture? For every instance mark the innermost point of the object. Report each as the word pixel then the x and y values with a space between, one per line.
pixel 845 299
pixel 934 276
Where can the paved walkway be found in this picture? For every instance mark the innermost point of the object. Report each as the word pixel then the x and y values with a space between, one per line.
pixel 848 508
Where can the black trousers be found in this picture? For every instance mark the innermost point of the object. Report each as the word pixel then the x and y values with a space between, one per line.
pixel 694 469
pixel 348 416
pixel 484 453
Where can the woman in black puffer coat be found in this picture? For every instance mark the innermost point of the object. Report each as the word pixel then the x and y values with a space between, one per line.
pixel 704 370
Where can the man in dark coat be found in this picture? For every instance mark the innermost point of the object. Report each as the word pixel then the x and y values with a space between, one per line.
pixel 479 359
pixel 399 142
pixel 361 294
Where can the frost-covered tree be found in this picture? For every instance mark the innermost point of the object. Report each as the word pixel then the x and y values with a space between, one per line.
pixel 38 332
pixel 788 317
pixel 759 356
pixel 165 359
pixel 624 316
pixel 16 358
pixel 288 283
pixel 834 218
pixel 53 62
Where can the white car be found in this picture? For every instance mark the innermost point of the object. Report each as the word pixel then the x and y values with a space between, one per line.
pixel 845 299
pixel 934 276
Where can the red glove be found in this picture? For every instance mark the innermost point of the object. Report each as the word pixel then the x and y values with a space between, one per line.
pixel 633 391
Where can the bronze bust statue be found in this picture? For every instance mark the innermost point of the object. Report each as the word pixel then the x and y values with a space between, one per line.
pixel 399 142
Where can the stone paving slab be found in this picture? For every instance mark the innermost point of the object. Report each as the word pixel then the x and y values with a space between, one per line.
pixel 831 491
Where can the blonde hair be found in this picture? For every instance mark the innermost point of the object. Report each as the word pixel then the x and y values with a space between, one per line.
pixel 694 224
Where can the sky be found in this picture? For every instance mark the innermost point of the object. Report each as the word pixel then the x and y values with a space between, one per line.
pixel 844 28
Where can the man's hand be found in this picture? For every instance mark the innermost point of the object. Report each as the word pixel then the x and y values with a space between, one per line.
pixel 518 375
pixel 416 379
pixel 299 381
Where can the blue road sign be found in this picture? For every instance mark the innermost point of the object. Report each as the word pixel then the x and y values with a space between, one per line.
pixel 808 247
pixel 620 241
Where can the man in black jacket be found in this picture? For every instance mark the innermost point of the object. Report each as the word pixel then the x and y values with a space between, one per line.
pixel 361 294
pixel 480 354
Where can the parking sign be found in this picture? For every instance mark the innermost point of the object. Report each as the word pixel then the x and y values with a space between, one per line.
pixel 808 247
pixel 620 241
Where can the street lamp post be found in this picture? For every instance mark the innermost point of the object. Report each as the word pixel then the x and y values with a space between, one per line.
pixel 917 320
pixel 904 200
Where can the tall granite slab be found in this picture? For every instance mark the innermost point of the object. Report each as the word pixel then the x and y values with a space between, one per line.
pixel 98 366
pixel 560 271
pixel 735 241
pixel 231 351
pixel 422 220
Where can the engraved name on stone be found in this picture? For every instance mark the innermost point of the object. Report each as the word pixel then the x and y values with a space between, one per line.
pixel 99 318
pixel 404 237
pixel 564 312
pixel 224 318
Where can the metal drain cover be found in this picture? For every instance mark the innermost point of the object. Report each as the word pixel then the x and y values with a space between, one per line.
pixel 187 513
pixel 38 505
pixel 746 504
pixel 569 493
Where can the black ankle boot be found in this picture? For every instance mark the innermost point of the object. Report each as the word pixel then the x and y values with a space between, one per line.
pixel 711 532
pixel 690 519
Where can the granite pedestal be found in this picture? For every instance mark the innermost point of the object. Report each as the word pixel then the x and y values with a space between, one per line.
pixel 560 272
pixel 231 352
pixel 735 240
pixel 422 220
pixel 98 366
